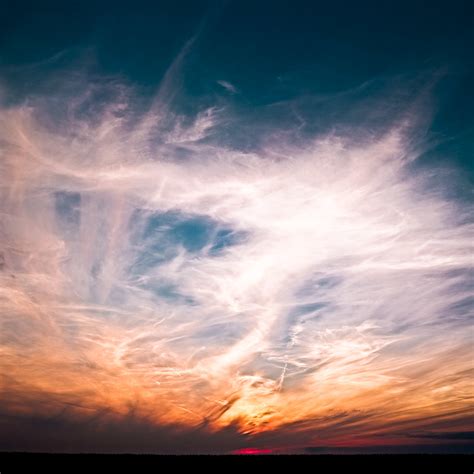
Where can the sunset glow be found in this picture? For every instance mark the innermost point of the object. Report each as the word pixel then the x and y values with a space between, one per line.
pixel 162 281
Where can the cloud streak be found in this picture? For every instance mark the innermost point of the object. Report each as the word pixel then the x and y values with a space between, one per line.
pixel 311 290
pixel 228 86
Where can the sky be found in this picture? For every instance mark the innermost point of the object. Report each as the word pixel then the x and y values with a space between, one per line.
pixel 236 227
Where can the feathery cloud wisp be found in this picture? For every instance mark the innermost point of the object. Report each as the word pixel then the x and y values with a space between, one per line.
pixel 146 264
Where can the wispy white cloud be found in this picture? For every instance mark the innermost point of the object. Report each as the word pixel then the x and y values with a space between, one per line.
pixel 144 265
pixel 229 87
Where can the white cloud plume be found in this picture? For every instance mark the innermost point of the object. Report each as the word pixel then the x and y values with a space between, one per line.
pixel 142 261
pixel 228 86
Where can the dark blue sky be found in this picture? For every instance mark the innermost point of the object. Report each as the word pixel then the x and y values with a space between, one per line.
pixel 268 48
